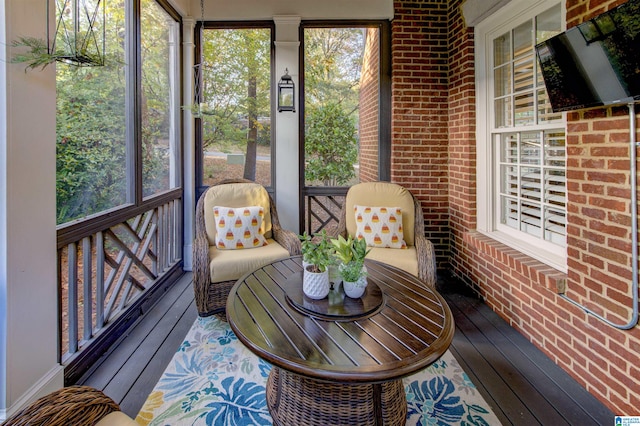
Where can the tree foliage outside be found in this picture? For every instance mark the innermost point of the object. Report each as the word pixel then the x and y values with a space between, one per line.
pixel 330 145
pixel 237 92
pixel 237 78
pixel 91 130
pixel 94 142
pixel 333 62
pixel 159 87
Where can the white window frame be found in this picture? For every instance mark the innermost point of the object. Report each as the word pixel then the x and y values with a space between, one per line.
pixel 488 187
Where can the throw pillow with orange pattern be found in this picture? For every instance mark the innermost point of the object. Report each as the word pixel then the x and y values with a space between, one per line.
pixel 239 228
pixel 380 226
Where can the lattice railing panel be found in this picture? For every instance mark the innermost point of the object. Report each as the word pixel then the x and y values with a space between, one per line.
pixel 322 212
pixel 101 274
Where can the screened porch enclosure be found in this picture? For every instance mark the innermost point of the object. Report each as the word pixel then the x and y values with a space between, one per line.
pixel 121 242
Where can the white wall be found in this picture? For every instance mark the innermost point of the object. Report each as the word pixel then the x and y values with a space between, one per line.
pixel 3 212
pixel 28 307
pixel 286 125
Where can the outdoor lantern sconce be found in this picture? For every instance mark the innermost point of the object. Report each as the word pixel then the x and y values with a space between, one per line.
pixel 286 93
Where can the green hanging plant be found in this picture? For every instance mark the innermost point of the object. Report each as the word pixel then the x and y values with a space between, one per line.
pixel 37 54
pixel 198 110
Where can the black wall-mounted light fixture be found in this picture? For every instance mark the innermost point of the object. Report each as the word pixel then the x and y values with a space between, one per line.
pixel 286 93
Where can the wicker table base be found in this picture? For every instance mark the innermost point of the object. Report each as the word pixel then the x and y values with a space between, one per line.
pixel 297 400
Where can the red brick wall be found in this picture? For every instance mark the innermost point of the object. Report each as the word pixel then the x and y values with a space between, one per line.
pixel 369 119
pixel 461 127
pixel 523 291
pixel 419 111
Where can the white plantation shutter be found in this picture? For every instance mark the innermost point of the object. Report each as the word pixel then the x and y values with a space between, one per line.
pixel 533 183
pixel 525 140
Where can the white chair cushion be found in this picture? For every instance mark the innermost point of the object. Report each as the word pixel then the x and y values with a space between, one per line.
pixel 226 265
pixel 407 260
pixel 116 418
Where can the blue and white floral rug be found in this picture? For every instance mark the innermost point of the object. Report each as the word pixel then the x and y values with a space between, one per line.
pixel 214 380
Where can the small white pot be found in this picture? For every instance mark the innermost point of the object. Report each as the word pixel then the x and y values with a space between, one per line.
pixel 315 285
pixel 355 289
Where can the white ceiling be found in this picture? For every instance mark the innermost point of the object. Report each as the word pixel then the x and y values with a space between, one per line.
pixel 305 9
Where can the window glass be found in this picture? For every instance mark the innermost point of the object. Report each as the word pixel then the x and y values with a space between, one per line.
pixel 548 24
pixel 236 105
pixel 91 129
pixel 525 141
pixel 160 83
pixel 502 81
pixel 341 76
pixel 502 49
pixel 523 41
pixel 530 161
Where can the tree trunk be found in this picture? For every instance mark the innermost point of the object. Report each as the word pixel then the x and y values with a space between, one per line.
pixel 252 132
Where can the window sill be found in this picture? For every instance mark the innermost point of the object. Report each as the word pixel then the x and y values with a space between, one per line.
pixel 516 264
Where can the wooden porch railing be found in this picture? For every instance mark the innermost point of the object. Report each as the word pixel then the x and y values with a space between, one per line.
pixel 322 207
pixel 102 273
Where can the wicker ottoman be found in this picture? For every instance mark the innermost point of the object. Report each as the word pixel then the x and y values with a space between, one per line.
pixel 297 400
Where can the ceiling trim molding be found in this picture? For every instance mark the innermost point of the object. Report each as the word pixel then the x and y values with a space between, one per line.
pixel 475 11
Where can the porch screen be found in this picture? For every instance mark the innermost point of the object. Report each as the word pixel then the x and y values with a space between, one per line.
pixel 341 105
pixel 236 109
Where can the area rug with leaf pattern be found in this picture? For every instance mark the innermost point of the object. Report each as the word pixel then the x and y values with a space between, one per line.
pixel 214 380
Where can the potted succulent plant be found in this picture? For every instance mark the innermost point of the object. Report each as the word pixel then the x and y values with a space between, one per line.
pixel 351 254
pixel 316 256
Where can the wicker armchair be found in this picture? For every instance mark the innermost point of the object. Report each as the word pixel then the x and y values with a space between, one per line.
pixel 73 405
pixel 419 259
pixel 216 271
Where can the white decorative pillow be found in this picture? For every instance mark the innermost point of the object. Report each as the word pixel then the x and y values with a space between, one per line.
pixel 239 228
pixel 380 226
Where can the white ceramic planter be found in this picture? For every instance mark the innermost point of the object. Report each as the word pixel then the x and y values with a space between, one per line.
pixel 315 284
pixel 355 289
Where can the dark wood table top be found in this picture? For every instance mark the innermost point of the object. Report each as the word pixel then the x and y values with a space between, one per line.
pixel 411 329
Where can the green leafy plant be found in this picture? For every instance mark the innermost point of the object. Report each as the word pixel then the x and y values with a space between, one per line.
pixel 37 53
pixel 331 147
pixel 316 251
pixel 351 253
pixel 352 271
pixel 360 249
pixel 343 248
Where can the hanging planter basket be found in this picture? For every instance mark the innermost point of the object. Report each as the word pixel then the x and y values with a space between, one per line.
pixel 200 107
pixel 79 37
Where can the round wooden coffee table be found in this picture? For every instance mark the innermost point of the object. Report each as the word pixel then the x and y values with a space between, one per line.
pixel 341 363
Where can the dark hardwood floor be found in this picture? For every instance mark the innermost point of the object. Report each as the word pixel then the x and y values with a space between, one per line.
pixel 521 384
pixel 130 370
